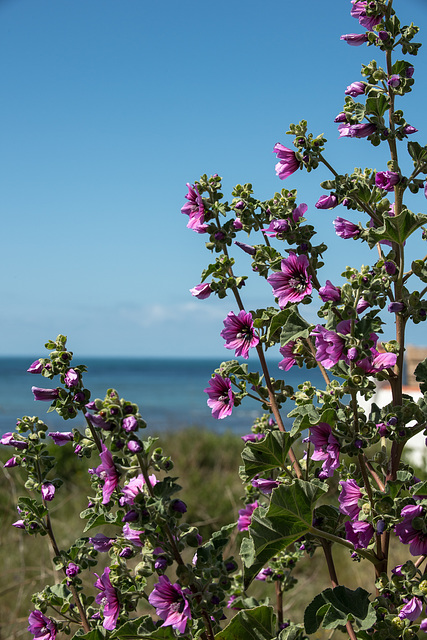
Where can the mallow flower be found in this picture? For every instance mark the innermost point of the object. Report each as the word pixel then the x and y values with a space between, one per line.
pixel 221 397
pixel 355 39
pixel 135 486
pixel 48 491
pixel 386 180
pixel 355 89
pixel 330 293
pixel 195 210
pixel 287 351
pixel 288 162
pixel 239 333
pixel 346 229
pixel 245 516
pixel 327 202
pixel 360 130
pixel 293 282
pixel 349 498
pixel 71 378
pixel 45 395
pixel 35 367
pixel 409 532
pixel 107 472
pixel 201 291
pixel 171 604
pixel 40 626
pixel 108 599
pixel 326 448
pixel 359 533
pixel 411 610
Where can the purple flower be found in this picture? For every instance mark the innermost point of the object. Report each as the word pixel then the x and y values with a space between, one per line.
pixel 19 524
pixel 12 462
pixel 359 11
pixel 386 180
pixel 359 533
pixel 46 395
pixel 130 423
pixel 195 210
pixel 9 441
pixel 349 497
pixel 346 229
pixel 423 625
pixel 410 534
pixel 377 362
pixel 98 421
pixel 35 367
pixel 107 472
pixel 108 598
pixel 252 437
pixel 288 356
pixel 360 130
pixel 326 448
pixel 341 117
pixel 71 378
pixel 134 446
pixel 362 305
pixel 237 224
pixel 264 574
pixel 239 333
pixel 247 248
pixel 293 282
pixel 72 569
pixel 101 543
pixel 245 516
pixel 171 604
pixel 178 506
pixel 133 535
pixel 330 293
pixel 201 291
pixel 355 89
pixel 329 345
pixel 299 211
pixel 48 491
pixel 327 202
pixel 135 486
pixel 411 610
pixel 265 485
pixel 60 438
pixel 355 39
pixel 408 129
pixel 288 161
pixel 221 397
pixel 41 627
pixel 276 228
pixel 395 307
pixel 394 80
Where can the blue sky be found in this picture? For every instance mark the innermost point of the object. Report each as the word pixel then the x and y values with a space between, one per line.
pixel 109 108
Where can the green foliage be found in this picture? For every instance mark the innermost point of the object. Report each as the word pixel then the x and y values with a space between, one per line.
pixel 334 607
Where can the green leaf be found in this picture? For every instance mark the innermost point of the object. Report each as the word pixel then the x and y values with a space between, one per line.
pixel 142 627
pixel 333 608
pixel 271 453
pixel 250 624
pixel 289 517
pixel 421 375
pixel 294 327
pixel 277 322
pixel 304 416
pixel 397 228
pixel 102 518
pixel 95 634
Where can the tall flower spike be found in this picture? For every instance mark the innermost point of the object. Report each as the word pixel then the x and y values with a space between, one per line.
pixel 293 282
pixel 239 334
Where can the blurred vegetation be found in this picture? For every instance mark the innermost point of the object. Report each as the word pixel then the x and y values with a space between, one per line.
pixel 207 466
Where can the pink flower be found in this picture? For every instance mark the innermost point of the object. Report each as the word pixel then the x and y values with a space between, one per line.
pixel 349 498
pixel 293 282
pixel 71 378
pixel 288 162
pixel 327 202
pixel 109 599
pixel 239 333
pixel 136 486
pixel 35 367
pixel 171 604
pixel 221 397
pixel 41 627
pixel 245 516
pixel 276 228
pixel 355 39
pixel 133 535
pixel 195 210
pixel 288 356
pixel 201 291
pixel 386 180
pixel 410 534
pixel 330 292
pixel 346 229
pixel 377 362
pixel 355 89
pixel 61 438
pixel 46 395
pixel 361 130
pixel 330 346
pixel 48 491
pixel 411 610
pixel 326 448
pixel 107 472
pixel 359 533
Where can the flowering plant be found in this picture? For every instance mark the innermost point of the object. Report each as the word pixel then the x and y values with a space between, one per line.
pixel 289 473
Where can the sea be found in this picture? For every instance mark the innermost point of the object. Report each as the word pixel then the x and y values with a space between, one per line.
pixel 169 392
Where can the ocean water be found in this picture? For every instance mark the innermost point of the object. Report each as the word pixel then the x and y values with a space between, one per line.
pixel 169 392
